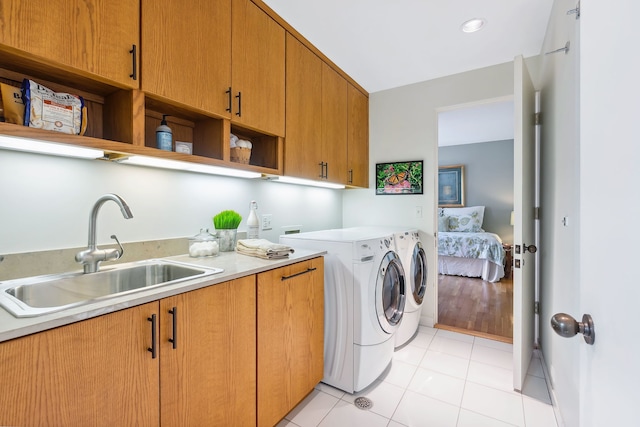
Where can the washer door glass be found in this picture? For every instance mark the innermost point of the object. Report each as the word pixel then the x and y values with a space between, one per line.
pixel 418 273
pixel 390 292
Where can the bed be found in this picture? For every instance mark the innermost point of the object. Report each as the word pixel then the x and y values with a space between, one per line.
pixel 465 249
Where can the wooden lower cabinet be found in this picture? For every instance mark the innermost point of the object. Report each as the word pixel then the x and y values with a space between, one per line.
pixel 290 337
pixel 97 372
pixel 209 378
pixel 102 372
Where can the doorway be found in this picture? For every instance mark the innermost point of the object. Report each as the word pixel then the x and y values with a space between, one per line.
pixel 479 137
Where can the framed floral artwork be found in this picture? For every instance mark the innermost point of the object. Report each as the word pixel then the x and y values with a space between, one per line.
pixel 399 177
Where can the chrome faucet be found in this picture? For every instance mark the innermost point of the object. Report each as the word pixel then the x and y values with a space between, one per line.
pixel 92 256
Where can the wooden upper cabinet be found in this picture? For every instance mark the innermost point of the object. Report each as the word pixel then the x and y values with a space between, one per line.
pixel 258 66
pixel 327 121
pixel 358 138
pixel 290 337
pixel 97 372
pixel 303 141
pixel 186 52
pixel 334 125
pixel 91 36
pixel 209 378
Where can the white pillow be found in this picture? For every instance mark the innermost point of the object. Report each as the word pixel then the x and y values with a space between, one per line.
pixel 465 211
pixel 443 223
pixel 464 223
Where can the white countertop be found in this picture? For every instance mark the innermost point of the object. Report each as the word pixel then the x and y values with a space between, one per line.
pixel 234 265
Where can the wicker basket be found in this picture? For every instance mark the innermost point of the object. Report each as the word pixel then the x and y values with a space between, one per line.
pixel 240 155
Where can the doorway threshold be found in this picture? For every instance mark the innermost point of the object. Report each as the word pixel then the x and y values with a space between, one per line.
pixel 500 338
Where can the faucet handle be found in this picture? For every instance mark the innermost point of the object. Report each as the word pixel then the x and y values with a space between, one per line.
pixel 121 251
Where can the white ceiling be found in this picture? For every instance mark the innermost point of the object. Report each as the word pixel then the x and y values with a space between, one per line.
pixel 383 44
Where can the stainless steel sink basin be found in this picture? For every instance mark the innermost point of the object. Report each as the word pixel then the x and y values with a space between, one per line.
pixel 39 295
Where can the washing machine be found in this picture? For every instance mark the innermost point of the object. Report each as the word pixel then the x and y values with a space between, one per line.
pixel 365 296
pixel 414 261
pixel 411 252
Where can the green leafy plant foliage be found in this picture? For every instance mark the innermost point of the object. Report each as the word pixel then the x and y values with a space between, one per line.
pixel 227 220
pixel 401 177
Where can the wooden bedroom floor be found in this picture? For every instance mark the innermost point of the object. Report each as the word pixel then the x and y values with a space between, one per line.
pixel 476 307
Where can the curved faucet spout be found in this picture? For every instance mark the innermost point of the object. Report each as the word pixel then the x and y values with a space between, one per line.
pixel 92 256
pixel 124 208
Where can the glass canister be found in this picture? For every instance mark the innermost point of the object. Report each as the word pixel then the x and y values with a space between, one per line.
pixel 203 244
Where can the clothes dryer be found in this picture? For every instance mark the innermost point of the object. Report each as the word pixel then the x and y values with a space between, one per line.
pixel 414 261
pixel 365 296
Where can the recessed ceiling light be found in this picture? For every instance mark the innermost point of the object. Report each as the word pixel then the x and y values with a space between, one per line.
pixel 473 25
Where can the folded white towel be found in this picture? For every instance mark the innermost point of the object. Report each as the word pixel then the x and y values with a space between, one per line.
pixel 263 248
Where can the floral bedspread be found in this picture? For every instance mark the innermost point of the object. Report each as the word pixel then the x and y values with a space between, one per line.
pixel 471 245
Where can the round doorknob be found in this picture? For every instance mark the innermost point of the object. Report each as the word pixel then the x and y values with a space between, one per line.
pixel 566 326
pixel 531 248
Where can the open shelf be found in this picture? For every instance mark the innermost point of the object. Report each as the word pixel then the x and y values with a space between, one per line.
pixel 123 121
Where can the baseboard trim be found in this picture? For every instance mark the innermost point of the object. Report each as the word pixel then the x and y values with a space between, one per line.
pixel 552 394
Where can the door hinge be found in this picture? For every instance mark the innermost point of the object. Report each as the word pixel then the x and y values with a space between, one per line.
pixel 537 119
pixel 536 307
pixel 536 212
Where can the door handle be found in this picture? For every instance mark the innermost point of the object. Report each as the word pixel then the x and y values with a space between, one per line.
pixel 524 248
pixel 566 326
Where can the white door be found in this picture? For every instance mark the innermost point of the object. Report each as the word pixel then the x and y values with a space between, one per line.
pixel 524 226
pixel 609 287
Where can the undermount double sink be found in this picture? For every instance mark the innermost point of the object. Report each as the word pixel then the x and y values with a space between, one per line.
pixel 35 296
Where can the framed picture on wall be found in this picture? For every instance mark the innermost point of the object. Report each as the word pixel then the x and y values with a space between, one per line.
pixel 399 177
pixel 451 186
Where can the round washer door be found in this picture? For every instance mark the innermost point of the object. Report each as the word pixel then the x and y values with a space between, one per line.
pixel 390 292
pixel 418 272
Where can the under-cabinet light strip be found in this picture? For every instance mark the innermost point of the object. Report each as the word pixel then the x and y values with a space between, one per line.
pixel 41 147
pixel 298 181
pixel 155 162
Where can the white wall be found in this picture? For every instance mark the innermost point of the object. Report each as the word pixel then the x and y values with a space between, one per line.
pixel 560 180
pixel 45 202
pixel 403 126
pixel 488 180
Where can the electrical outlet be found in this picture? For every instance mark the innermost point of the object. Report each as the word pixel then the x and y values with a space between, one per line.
pixel 418 211
pixel 266 221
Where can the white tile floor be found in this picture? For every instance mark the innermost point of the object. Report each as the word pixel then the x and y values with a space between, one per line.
pixel 439 379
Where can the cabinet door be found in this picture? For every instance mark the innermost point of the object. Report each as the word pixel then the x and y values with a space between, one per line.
pixel 358 134
pixel 209 378
pixel 258 56
pixel 89 35
pixel 186 55
pixel 334 124
pixel 290 337
pixel 97 372
pixel 303 142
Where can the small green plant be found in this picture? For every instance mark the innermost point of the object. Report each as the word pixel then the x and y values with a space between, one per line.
pixel 227 220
